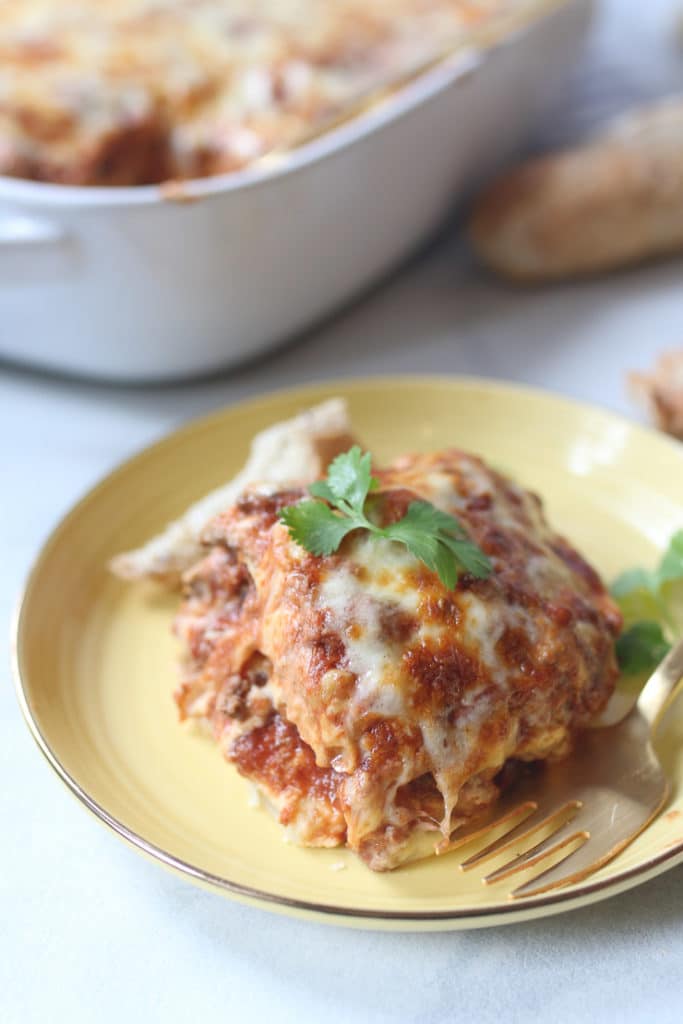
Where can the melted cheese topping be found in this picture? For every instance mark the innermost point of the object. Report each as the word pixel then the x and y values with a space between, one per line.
pixel 134 91
pixel 354 607
pixel 400 700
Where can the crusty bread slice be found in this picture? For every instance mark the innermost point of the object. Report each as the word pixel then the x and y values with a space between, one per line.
pixel 296 451
pixel 612 202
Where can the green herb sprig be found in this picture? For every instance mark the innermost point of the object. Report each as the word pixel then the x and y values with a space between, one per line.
pixel 343 501
pixel 649 601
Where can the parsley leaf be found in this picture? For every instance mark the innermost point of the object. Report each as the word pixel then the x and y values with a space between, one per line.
pixel 641 647
pixel 649 601
pixel 637 594
pixel 321 489
pixel 422 515
pixel 439 541
pixel 421 534
pixel 316 527
pixel 434 537
pixel 631 582
pixel 349 478
pixel 671 566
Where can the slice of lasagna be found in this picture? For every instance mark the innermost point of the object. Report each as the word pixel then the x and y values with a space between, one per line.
pixel 371 705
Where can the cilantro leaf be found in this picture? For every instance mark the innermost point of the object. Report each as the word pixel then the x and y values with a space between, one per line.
pixel 638 597
pixel 650 595
pixel 671 566
pixel 439 541
pixel 432 536
pixel 470 557
pixel 321 489
pixel 422 515
pixel 316 527
pixel 651 602
pixel 631 581
pixel 424 545
pixel 641 648
pixel 350 479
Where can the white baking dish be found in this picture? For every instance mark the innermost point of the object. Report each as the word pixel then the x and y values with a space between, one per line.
pixel 129 285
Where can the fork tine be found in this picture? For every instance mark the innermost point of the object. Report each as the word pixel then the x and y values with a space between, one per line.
pixel 591 856
pixel 499 825
pixel 583 863
pixel 537 853
pixel 515 842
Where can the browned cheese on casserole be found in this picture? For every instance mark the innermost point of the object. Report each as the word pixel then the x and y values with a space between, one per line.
pixel 129 92
pixel 369 703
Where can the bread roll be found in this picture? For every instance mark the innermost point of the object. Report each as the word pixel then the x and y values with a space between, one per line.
pixel 613 202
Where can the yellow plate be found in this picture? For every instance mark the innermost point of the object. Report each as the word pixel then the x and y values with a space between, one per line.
pixel 95 658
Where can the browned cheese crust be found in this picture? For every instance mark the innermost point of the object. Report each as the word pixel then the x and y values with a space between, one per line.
pixel 130 92
pixel 367 701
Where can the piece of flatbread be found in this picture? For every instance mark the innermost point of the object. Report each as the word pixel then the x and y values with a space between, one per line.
pixel 296 451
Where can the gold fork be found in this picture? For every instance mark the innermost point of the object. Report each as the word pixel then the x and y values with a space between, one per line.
pixel 584 810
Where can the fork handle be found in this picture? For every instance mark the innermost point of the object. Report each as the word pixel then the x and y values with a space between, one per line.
pixel 661 687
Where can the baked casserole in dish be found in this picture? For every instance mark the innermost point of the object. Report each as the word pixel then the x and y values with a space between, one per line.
pixel 155 221
pixel 132 92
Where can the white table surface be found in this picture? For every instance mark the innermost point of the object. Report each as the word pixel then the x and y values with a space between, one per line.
pixel 89 931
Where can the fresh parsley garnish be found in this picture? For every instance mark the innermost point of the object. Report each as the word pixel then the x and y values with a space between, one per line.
pixel 343 502
pixel 649 601
pixel 641 647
